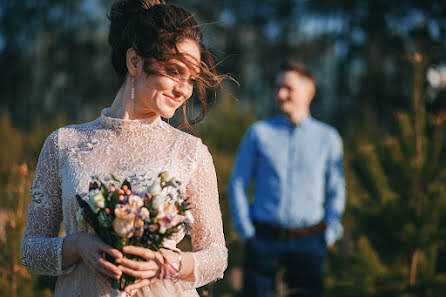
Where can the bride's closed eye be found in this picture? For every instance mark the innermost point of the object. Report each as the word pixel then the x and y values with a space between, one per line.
pixel 180 75
pixel 192 80
pixel 172 72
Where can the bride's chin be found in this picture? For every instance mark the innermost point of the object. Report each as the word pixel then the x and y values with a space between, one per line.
pixel 168 114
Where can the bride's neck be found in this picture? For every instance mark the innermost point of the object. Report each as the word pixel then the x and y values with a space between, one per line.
pixel 121 107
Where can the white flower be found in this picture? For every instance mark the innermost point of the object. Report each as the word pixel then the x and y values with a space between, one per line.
pixel 155 189
pixel 135 202
pixel 93 193
pixel 139 223
pixel 158 202
pixel 178 219
pixel 124 222
pixel 99 200
pixel 144 212
pixel 189 216
pixel 127 223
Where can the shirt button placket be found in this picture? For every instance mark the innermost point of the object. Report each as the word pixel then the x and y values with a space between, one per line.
pixel 292 162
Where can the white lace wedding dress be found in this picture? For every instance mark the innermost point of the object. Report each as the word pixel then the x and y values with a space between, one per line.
pixel 136 149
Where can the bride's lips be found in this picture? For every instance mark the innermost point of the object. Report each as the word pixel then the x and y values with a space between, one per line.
pixel 173 101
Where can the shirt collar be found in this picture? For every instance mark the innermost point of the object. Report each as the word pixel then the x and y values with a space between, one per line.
pixel 283 119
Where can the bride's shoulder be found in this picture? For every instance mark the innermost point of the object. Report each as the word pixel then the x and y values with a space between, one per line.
pixel 80 128
pixel 72 133
pixel 188 141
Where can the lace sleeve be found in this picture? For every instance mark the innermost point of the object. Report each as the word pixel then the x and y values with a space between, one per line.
pixel 209 250
pixel 41 246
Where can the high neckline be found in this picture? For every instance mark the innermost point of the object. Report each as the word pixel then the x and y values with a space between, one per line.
pixel 118 123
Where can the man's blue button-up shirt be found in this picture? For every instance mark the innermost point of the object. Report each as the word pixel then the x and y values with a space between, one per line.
pixel 298 175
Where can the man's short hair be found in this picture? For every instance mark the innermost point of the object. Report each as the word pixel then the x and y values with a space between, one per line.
pixel 300 68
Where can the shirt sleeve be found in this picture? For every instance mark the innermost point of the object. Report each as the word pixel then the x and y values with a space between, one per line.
pixel 41 248
pixel 208 243
pixel 335 191
pixel 242 173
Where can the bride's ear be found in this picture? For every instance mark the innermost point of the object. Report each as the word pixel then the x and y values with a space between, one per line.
pixel 134 62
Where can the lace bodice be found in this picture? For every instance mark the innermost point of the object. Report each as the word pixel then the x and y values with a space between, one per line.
pixel 136 149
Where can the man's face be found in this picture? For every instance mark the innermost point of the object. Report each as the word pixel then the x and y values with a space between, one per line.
pixel 294 92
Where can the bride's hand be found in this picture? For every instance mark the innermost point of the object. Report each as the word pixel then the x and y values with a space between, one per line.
pixel 144 271
pixel 92 250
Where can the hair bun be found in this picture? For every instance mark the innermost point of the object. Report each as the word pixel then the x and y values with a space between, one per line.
pixel 122 10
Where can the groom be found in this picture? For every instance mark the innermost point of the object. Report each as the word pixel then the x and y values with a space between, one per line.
pixel 299 194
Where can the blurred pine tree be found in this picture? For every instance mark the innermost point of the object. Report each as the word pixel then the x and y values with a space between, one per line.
pixel 401 183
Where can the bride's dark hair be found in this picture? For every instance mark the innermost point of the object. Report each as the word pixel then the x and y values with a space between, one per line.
pixel 153 29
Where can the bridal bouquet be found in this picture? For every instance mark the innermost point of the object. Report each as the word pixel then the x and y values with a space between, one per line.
pixel 120 217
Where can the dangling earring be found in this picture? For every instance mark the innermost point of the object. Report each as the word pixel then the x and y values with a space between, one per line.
pixel 132 96
pixel 132 92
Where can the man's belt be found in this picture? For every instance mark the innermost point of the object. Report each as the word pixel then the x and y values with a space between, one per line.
pixel 280 232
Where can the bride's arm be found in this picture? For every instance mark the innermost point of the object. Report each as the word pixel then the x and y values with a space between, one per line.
pixel 209 249
pixel 41 246
pixel 43 252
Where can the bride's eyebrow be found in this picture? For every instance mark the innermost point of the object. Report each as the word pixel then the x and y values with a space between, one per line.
pixel 192 70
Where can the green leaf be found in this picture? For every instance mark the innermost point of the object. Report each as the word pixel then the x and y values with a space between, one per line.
pixel 115 177
pixel 126 183
pixel 114 199
pixel 104 190
pixel 163 175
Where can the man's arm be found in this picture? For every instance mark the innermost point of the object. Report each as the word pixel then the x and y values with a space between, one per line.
pixel 335 191
pixel 242 173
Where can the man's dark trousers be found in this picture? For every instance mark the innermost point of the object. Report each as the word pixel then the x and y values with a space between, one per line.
pixel 302 257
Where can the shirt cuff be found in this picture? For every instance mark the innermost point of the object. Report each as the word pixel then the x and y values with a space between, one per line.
pixel 334 232
pixel 247 231
pixel 70 268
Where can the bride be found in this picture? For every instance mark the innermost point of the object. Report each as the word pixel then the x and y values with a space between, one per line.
pixel 158 53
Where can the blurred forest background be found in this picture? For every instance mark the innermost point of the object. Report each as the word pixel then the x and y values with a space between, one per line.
pixel 381 68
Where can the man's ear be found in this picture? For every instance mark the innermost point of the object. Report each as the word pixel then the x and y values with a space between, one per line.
pixel 311 90
pixel 134 62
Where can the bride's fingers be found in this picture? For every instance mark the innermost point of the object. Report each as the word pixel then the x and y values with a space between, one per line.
pixel 92 262
pixel 139 265
pixel 108 265
pixel 139 251
pixel 111 251
pixel 112 270
pixel 101 265
pixel 137 285
pixel 140 274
